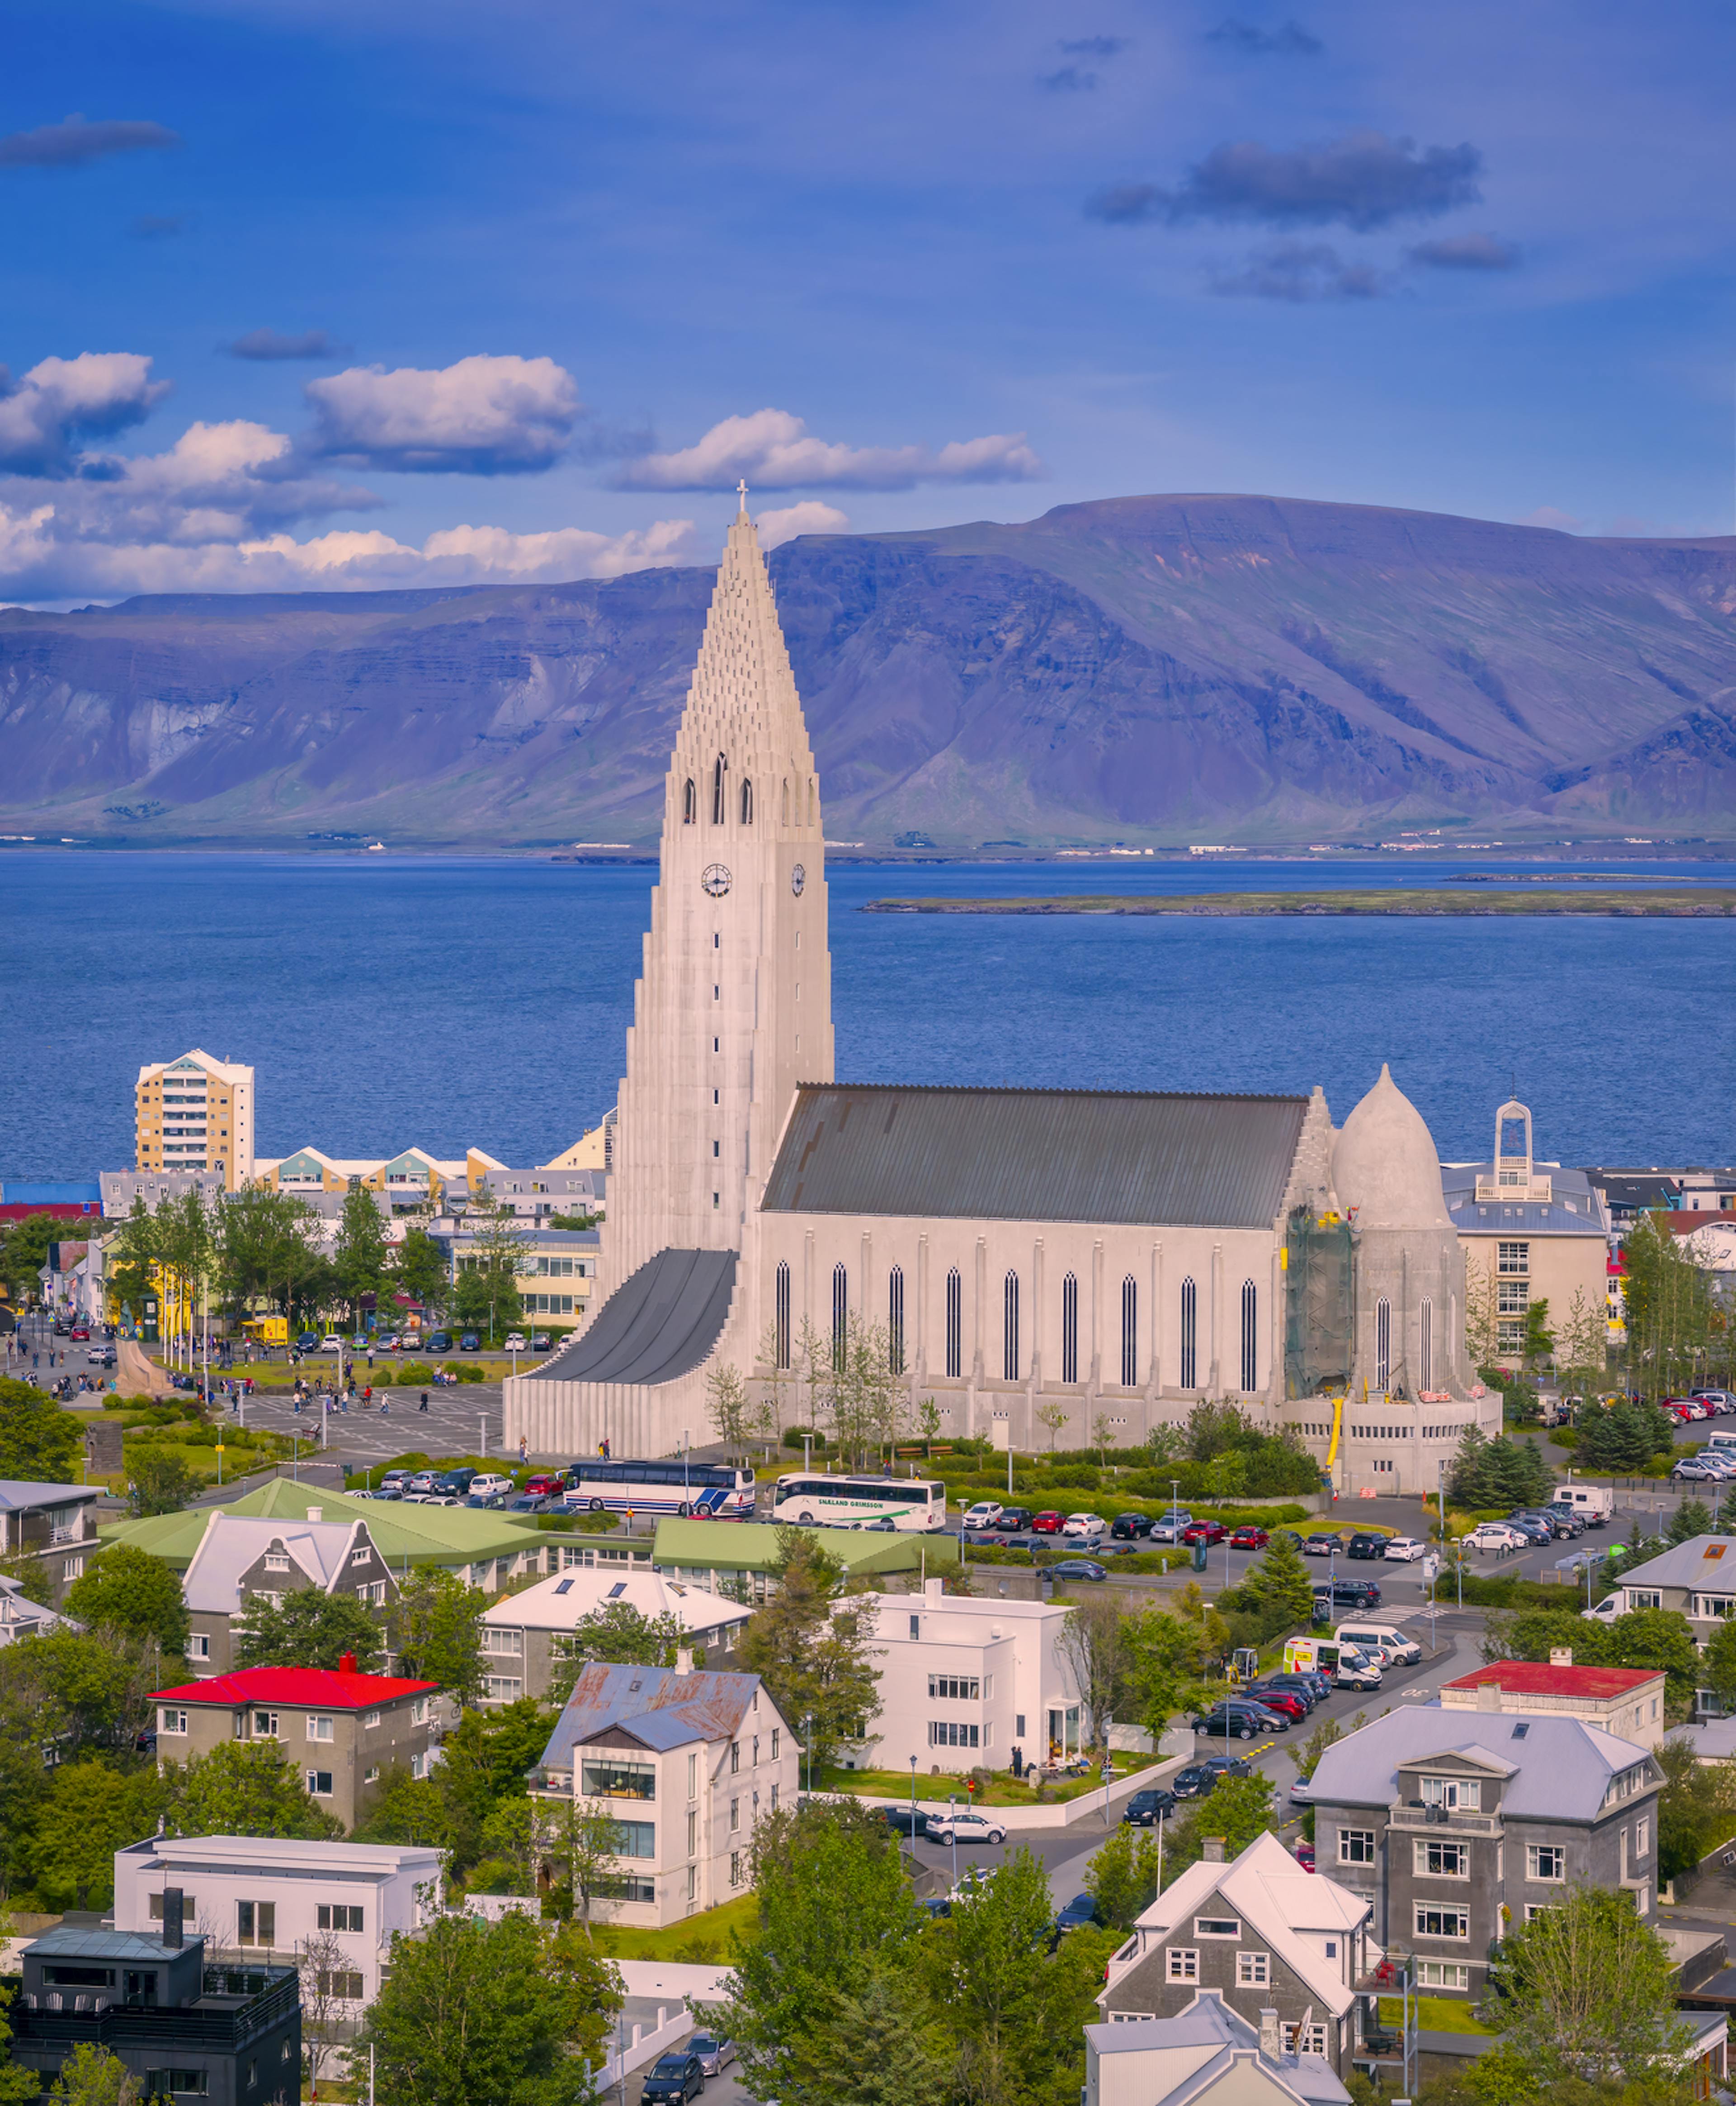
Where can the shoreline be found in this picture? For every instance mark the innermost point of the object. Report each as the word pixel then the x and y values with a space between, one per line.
pixel 1712 904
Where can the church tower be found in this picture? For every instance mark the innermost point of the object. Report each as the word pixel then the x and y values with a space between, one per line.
pixel 734 1004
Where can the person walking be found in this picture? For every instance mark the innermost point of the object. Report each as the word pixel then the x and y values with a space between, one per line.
pixel 424 1405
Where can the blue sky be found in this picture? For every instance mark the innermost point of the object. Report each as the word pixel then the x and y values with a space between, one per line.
pixel 543 280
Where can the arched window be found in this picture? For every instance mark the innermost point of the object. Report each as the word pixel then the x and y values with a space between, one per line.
pixel 1070 1330
pixel 1190 1302
pixel 689 804
pixel 1129 1332
pixel 784 804
pixel 810 800
pixel 747 800
pixel 1010 1329
pixel 895 1320
pixel 840 1316
pixel 1250 1336
pixel 1383 1343
pixel 718 773
pixel 954 1322
pixel 783 1316
pixel 1425 1344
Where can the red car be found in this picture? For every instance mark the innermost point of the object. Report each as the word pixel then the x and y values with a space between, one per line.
pixel 1048 1524
pixel 548 1486
pixel 1249 1538
pixel 1278 1699
pixel 1204 1531
pixel 1305 1856
pixel 82 1331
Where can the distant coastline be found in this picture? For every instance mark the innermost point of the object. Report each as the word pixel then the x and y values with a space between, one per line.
pixel 1712 903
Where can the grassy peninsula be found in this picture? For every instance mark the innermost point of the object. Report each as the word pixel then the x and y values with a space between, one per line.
pixel 1640 901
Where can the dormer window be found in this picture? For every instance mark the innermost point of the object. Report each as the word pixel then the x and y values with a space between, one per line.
pixel 1457 1795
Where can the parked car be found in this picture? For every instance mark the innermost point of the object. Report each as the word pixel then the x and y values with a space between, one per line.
pixel 359 1342
pixel 1286 1701
pixel 674 2079
pixel 954 1825
pixel 1356 1593
pixel 544 1480
pixel 1497 1536
pixel 469 1343
pixel 1129 1527
pixel 1323 1543
pixel 1301 1792
pixel 495 1499
pixel 80 1334
pixel 100 1357
pixel 540 1342
pixel 331 1343
pixel 1012 1520
pixel 1305 1856
pixel 1209 1532
pixel 514 1343
pixel 1080 1910
pixel 490 1481
pixel 1250 1537
pixel 424 1480
pixel 1532 1529
pixel 437 1342
pixel 1403 1550
pixel 458 1481
pixel 1239 1718
pixel 395 1480
pixel 714 2051
pixel 1366 1543
pixel 1079 1568
pixel 1198 1778
pixel 1169 1529
pixel 1146 1808
pixel 905 1820
pixel 1691 1470
pixel 1304 1685
pixel 1356 1670
pixel 530 1503
pixel 1083 1524
pixel 983 1514
pixel 1049 1522
pixel 307 1341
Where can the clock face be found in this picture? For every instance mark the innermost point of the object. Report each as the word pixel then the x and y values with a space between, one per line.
pixel 716 879
pixel 798 879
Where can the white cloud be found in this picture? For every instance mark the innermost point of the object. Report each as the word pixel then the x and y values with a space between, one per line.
pixel 774 450
pixel 98 391
pixel 481 416
pixel 809 516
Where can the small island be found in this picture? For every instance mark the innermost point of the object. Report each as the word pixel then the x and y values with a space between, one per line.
pixel 1637 901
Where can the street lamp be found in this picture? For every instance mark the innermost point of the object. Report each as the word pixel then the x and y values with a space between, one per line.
pixel 952 1830
pixel 913 1809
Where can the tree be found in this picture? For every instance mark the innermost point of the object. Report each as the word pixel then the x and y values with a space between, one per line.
pixel 405 1809
pixel 1692 1517
pixel 1090 1643
pixel 91 2075
pixel 436 1631
pixel 421 1269
pixel 1624 1437
pixel 39 1443
pixel 1582 1344
pixel 319 1959
pixel 91 1689
pixel 1237 1808
pixel 1586 1989
pixel 928 1425
pixel 124 1588
pixel 92 1811
pixel 862 1398
pixel 1693 1808
pixel 309 1628
pixel 24 1252
pixel 1122 1877
pixel 243 1788
pixel 160 1483
pixel 27 1732
pixel 128 1257
pixel 586 1841
pixel 484 1761
pixel 727 1405
pixel 1718 1663
pixel 475 2013
pixel 1161 1655
pixel 1283 1584
pixel 484 1288
pixel 362 1254
pixel 814 1653
pixel 594 1991
pixel 1053 1414
pixel 1670 1307
pixel 1482 1324
pixel 1306 1754
pixel 616 1632
pixel 1539 1340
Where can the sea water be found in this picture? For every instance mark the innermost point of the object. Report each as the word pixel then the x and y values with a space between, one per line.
pixel 448 1002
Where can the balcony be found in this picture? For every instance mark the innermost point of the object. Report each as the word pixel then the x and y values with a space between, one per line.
pixel 1438 1820
pixel 223 2020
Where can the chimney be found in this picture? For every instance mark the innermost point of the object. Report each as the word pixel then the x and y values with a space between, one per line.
pixel 1488 1696
pixel 684 1659
pixel 316 1513
pixel 172 1917
pixel 933 1589
pixel 1561 1655
pixel 346 1663
pixel 1271 2040
pixel 1211 1849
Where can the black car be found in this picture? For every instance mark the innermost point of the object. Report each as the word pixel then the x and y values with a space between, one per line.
pixel 673 2079
pixel 456 1481
pixel 1078 1568
pixel 1356 1593
pixel 1012 1520
pixel 437 1342
pixel 1367 1545
pixel 1199 1778
pixel 905 1820
pixel 1082 1909
pixel 1145 1809
pixel 1239 1720
pixel 469 1343
pixel 1128 1527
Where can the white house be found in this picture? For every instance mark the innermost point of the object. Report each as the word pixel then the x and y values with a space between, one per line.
pixel 964 1681
pixel 525 1636
pixel 263 1897
pixel 1207 2055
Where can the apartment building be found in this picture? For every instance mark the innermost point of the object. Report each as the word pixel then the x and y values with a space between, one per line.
pixel 253 1897
pixel 195 1113
pixel 337 1729
pixel 1626 1701
pixel 526 1636
pixel 240 1556
pixel 688 1761
pixel 54 1526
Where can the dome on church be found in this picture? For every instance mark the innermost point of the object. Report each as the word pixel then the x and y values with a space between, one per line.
pixel 1384 1164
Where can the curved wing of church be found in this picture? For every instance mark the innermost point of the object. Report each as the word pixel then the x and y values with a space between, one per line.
pixel 1106 1255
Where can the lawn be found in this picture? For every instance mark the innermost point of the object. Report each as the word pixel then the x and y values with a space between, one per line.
pixel 703 1938
pixel 1434 2014
pixel 1004 1788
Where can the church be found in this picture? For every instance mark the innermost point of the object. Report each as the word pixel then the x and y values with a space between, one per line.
pixel 1039 1261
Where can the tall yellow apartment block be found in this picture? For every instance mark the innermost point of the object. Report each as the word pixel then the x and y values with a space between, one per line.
pixel 196 1113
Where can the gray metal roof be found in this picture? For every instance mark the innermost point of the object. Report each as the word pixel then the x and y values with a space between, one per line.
pixel 24 1495
pixel 1576 1209
pixel 657 1325
pixel 660 1707
pixel 68 1942
pixel 1055 1155
pixel 1707 1561
pixel 1560 1768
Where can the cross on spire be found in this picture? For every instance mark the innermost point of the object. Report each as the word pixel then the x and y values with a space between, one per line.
pixel 741 492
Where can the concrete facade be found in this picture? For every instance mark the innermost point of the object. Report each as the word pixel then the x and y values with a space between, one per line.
pixel 195 1113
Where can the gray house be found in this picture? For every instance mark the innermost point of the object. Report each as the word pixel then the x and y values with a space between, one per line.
pixel 242 1555
pixel 1445 1819
pixel 1260 1934
pixel 1698 1579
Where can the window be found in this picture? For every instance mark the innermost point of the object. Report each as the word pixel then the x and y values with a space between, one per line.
pixel 1513 1258
pixel 689 804
pixel 636 1838
pixel 1250 1335
pixel 1010 1329
pixel 1546 1860
pixel 170 1721
pixel 189 1908
pixel 955 1322
pixel 1442 1974
pixel 776 1735
pixel 319 1783
pixel 342 1983
pixel 734 1758
pixel 256 1923
pixel 1217 1926
pixel 1183 1964
pixel 1310 2039
pixel 1253 1970
pixel 1356 1846
pixel 949 1734
pixel 1510 1338
pixel 339 1916
pixel 735 1868
pixel 747 801
pixel 1070 1330
pixel 361 1557
pixel 504 1689
pixel 734 1815
pixel 275 1562
pixel 1512 1298
pixel 895 1320
pixel 72 1568
pixel 1383 1343
pixel 1189 1335
pixel 964 1687
pixel 1533 1910
pixel 1457 1794
pixel 840 1316
pixel 265 1726
pixel 494 1640
pixel 199 1647
pixel 1643 1597
pixel 1441 1860
pixel 693 1776
pixel 419 1712
pixel 781 1317
pixel 319 1725
pixel 1433 1921
pixel 692 1832
pixel 1426 1344
pixel 1642 1838
pixel 370 1719
pixel 717 791
pixel 180 2083
pixel 1129 1332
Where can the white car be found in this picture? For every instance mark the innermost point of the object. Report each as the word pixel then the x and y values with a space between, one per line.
pixel 514 1343
pixel 1406 1549
pixel 331 1344
pixel 1495 1535
pixel 1605 1612
pixel 488 1484
pixel 964 1828
pixel 982 1515
pixel 1083 1524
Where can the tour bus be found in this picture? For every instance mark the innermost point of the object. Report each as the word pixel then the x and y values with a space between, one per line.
pixel 907 1503
pixel 708 1491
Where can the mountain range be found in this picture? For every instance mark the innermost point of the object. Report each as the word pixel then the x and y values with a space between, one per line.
pixel 1150 670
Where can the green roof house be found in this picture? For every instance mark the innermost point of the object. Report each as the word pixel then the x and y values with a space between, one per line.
pixel 706 1553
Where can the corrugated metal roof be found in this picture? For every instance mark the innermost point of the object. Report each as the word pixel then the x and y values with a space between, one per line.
pixel 658 1705
pixel 1036 1155
pixel 658 1325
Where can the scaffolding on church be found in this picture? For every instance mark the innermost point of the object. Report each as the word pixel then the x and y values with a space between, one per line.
pixel 1320 1281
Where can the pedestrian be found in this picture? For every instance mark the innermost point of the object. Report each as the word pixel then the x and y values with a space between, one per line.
pixel 523 1455
pixel 424 1405
pixel 386 1406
